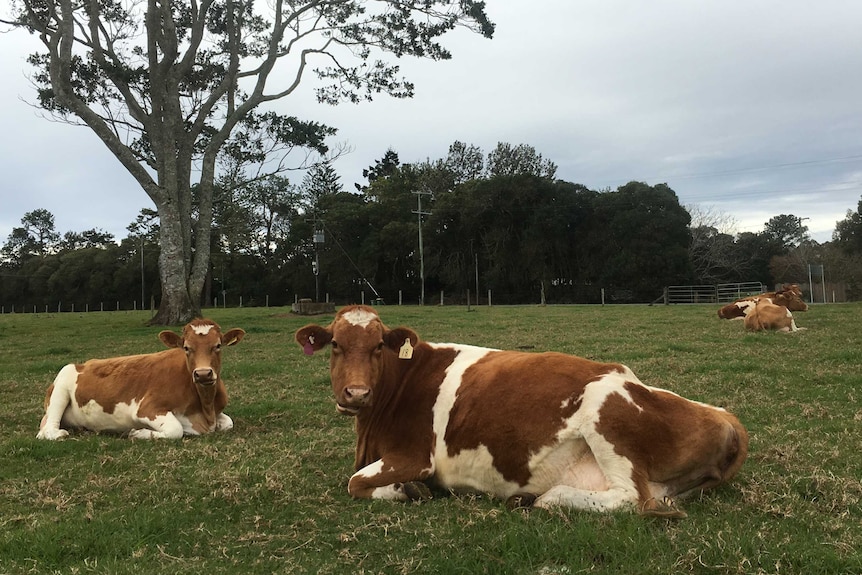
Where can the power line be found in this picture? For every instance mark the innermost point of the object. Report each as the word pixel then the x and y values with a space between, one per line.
pixel 773 167
pixel 785 165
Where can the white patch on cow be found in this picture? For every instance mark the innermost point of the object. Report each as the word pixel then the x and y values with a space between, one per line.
pixel 473 470
pixel 223 422
pixel 359 317
pixel 390 492
pixel 370 470
pixel 93 416
pixel 582 470
pixel 165 426
pixel 202 329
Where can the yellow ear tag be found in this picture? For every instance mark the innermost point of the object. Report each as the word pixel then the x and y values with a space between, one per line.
pixel 406 351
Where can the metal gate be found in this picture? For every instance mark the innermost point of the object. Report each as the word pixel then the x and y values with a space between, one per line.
pixel 721 293
pixel 730 292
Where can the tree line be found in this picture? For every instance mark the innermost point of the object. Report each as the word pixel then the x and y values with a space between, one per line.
pixel 501 222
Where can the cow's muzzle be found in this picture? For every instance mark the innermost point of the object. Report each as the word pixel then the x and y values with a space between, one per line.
pixel 353 399
pixel 204 376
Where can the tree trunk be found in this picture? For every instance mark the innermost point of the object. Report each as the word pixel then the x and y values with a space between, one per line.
pixel 179 303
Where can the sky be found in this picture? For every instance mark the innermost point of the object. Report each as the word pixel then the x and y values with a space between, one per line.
pixel 747 110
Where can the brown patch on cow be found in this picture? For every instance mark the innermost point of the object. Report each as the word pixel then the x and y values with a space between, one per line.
pixel 672 439
pixel 125 373
pixel 497 425
pixel 404 422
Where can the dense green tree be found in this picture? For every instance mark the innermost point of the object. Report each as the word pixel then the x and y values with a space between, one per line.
pixel 320 180
pixel 382 168
pixel 389 252
pixel 641 241
pixel 92 238
pixel 848 232
pixel 19 246
pixel 786 231
pixel 272 203
pixel 508 160
pixel 167 86
pixel 36 236
pixel 758 250
pixel 465 162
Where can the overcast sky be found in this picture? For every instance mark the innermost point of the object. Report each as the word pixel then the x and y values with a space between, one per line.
pixel 750 109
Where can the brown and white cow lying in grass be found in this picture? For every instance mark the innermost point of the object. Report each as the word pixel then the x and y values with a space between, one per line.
pixel 542 429
pixel 789 296
pixel 167 394
pixel 763 315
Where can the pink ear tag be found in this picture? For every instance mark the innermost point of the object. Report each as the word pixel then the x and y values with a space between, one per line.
pixel 308 348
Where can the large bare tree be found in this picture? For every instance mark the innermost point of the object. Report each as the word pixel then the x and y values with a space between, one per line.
pixel 167 85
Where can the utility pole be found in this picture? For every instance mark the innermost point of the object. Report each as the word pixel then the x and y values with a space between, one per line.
pixel 420 213
pixel 142 272
pixel 318 238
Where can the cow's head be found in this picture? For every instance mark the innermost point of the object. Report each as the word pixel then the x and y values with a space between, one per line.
pixel 202 341
pixel 790 296
pixel 361 345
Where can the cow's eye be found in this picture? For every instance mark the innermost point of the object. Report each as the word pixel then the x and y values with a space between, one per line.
pixel 380 346
pixel 217 348
pixel 334 344
pixel 187 349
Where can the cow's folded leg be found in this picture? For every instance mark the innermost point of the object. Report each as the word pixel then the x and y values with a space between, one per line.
pixel 397 482
pixel 165 426
pixel 585 500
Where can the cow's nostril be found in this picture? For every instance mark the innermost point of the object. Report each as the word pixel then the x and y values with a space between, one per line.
pixel 204 374
pixel 356 394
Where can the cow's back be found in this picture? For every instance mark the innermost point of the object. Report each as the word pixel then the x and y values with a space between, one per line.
pixel 160 376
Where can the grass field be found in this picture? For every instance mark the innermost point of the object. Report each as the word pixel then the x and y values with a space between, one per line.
pixel 270 495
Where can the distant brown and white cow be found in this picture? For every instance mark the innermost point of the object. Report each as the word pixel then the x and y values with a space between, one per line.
pixel 167 394
pixel 543 429
pixel 789 296
pixel 763 315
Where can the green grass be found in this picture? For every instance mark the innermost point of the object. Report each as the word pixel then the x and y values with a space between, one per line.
pixel 270 496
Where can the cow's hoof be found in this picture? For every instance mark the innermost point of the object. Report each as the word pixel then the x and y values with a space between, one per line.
pixel 665 508
pixel 52 434
pixel 521 501
pixel 416 490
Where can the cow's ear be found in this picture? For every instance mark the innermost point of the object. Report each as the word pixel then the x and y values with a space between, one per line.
pixel 395 338
pixel 312 338
pixel 233 336
pixel 171 339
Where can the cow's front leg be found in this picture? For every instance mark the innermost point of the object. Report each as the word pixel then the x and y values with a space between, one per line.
pixel 165 426
pixel 386 479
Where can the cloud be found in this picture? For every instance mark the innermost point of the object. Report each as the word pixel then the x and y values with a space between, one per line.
pixel 754 108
